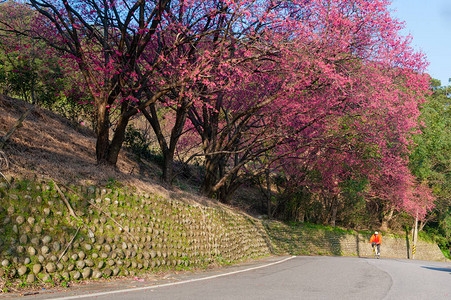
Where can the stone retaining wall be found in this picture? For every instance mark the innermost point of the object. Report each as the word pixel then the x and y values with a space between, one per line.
pixel 117 233
pixel 300 240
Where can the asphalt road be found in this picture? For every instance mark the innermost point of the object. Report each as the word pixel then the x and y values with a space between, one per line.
pixel 293 278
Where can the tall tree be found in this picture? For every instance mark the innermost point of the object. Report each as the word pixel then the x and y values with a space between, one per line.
pixel 107 39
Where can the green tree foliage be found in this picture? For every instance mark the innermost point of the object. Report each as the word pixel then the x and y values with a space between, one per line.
pixel 430 160
pixel 30 70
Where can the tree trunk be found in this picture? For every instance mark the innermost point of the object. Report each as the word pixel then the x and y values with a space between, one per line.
pixel 333 211
pixel 168 151
pixel 268 191
pixel 102 131
pixel 118 139
pixel 168 162
pixel 422 224
pixel 210 177
pixel 387 218
pixel 415 237
pixel 176 132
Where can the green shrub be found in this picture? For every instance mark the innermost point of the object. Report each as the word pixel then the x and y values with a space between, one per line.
pixel 138 141
pixel 434 235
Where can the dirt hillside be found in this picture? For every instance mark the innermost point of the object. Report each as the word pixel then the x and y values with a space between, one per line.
pixel 51 146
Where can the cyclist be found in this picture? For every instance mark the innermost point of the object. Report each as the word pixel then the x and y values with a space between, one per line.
pixel 375 241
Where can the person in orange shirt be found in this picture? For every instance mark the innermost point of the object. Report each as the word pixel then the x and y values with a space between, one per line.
pixel 376 241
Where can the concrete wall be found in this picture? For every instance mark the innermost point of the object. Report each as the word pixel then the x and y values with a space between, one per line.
pixel 301 240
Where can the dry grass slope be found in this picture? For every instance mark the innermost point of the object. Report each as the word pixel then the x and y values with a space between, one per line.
pixel 50 146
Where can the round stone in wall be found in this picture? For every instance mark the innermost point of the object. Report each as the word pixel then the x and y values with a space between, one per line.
pixel 50 267
pixel 56 246
pixel 5 263
pixel 38 229
pixel 11 209
pixel 80 264
pixel 31 220
pixel 60 266
pixel 97 274
pixel 45 250
pixel 20 220
pixel 81 255
pixel 37 268
pixel 46 239
pixel 35 241
pixel 76 275
pixel 107 272
pixel 23 239
pixel 87 272
pixel 22 270
pixel 101 264
pixel 31 278
pixel 89 262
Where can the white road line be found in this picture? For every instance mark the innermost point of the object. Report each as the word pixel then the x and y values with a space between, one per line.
pixel 150 287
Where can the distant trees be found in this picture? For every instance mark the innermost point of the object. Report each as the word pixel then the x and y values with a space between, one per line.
pixel 23 63
pixel 430 159
pixel 31 70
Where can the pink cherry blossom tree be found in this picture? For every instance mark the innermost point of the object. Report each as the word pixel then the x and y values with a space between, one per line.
pixel 328 88
pixel 107 39
pixel 322 62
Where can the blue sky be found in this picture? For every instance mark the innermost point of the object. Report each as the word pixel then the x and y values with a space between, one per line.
pixel 429 23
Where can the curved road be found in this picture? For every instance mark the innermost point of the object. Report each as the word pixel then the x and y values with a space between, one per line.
pixel 302 277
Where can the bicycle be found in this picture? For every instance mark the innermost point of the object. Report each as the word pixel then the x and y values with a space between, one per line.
pixel 376 250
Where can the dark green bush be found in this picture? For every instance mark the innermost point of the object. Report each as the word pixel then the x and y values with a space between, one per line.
pixel 138 141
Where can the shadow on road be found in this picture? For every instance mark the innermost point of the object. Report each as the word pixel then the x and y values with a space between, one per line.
pixel 438 269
